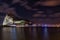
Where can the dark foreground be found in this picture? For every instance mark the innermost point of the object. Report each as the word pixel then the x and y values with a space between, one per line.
pixel 30 33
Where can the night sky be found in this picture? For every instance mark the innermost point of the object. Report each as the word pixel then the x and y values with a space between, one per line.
pixel 30 9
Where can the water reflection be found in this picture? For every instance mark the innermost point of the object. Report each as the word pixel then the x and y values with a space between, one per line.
pixel 31 33
pixel 45 35
pixel 13 34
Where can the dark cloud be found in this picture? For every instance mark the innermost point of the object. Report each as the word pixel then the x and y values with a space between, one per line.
pixel 27 8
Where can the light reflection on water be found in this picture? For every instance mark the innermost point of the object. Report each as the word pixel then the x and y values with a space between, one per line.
pixel 31 33
pixel 13 34
pixel 45 32
pixel 16 33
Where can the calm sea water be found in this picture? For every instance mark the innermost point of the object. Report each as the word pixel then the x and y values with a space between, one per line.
pixel 31 33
